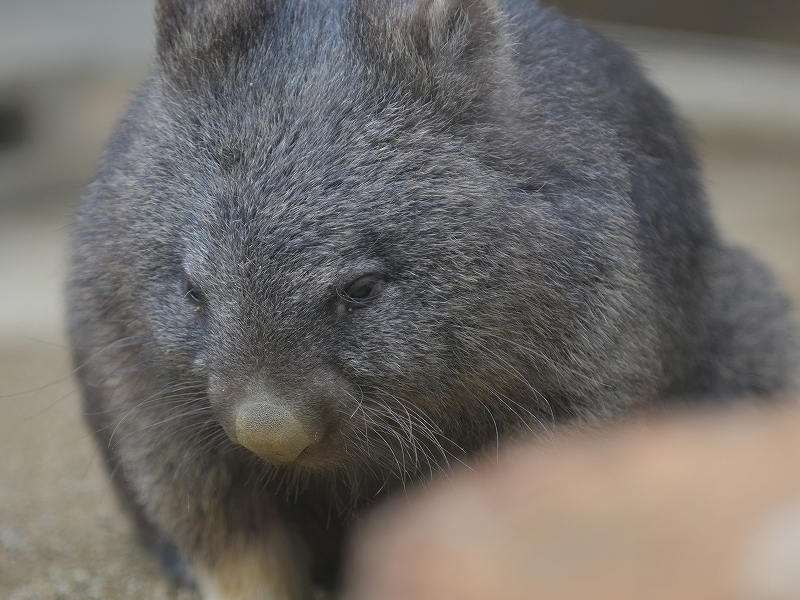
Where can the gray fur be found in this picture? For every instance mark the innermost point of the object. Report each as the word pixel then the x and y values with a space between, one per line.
pixel 528 205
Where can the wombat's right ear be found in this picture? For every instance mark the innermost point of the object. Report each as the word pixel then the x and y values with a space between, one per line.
pixel 172 17
pixel 451 50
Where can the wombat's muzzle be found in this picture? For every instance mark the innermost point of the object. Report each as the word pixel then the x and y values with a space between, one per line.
pixel 275 433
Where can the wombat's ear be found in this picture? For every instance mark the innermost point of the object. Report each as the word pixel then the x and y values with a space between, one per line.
pixel 209 32
pixel 449 27
pixel 442 48
pixel 172 17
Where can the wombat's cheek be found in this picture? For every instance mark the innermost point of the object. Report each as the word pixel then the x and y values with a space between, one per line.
pixel 276 430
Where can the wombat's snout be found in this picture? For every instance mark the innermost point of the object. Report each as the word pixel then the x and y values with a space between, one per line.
pixel 272 432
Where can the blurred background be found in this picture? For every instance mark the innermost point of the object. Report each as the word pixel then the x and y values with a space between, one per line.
pixel 67 68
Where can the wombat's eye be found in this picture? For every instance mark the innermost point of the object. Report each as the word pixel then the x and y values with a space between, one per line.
pixel 193 296
pixel 361 291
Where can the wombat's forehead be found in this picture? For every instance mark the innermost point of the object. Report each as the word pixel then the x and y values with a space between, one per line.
pixel 265 231
pixel 307 141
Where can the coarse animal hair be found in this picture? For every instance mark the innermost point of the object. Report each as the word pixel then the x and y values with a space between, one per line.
pixel 334 247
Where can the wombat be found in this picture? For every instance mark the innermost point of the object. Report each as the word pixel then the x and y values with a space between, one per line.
pixel 335 247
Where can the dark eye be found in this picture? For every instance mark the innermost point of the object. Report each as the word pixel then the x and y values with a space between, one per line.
pixel 361 291
pixel 193 296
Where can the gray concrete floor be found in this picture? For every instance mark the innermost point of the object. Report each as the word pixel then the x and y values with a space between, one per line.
pixel 61 535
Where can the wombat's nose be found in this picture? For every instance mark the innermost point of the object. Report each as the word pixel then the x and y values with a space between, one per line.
pixel 272 432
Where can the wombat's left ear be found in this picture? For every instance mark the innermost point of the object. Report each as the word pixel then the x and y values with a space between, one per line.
pixel 209 31
pixel 172 17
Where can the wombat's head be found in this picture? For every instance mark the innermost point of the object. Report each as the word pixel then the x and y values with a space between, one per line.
pixel 307 222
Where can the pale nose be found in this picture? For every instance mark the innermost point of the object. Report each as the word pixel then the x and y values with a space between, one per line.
pixel 272 432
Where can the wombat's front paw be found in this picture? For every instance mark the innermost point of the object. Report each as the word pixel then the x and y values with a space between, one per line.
pixel 173 565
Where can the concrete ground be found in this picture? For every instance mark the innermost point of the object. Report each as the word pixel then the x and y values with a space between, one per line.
pixel 61 534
